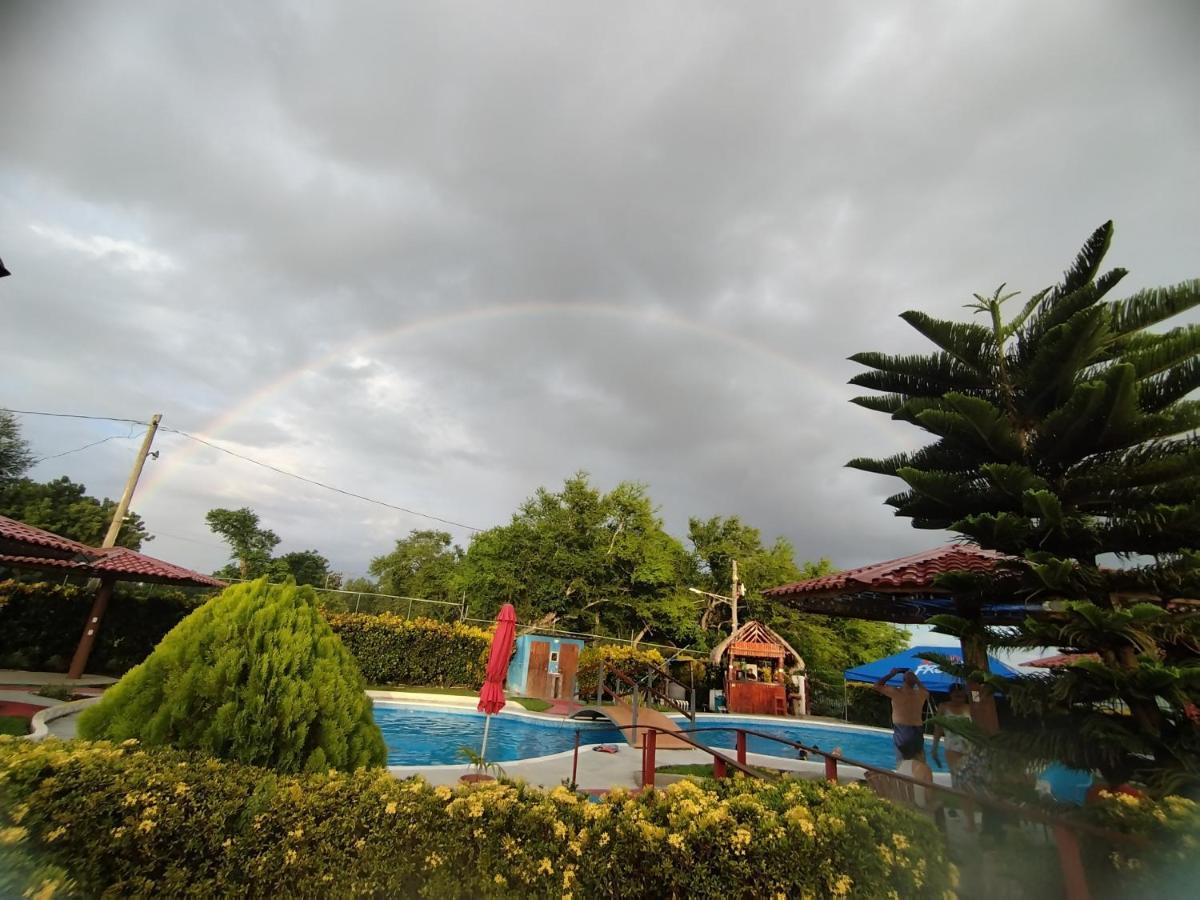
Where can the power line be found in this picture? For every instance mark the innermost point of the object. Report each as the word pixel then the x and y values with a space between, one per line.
pixel 111 437
pixel 321 484
pixel 31 412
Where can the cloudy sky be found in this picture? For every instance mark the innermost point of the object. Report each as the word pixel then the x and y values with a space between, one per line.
pixel 443 253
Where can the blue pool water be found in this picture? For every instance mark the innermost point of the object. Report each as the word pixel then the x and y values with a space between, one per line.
pixel 429 737
pixel 433 737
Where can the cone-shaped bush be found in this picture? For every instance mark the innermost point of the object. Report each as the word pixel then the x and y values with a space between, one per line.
pixel 254 675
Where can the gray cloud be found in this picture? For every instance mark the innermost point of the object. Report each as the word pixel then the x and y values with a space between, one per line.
pixel 442 255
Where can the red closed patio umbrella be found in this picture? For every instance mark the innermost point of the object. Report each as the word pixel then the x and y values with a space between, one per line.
pixel 491 695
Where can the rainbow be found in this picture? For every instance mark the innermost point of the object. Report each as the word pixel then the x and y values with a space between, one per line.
pixel 359 346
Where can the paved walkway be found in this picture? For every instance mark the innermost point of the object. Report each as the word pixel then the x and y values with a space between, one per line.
pixel 19 678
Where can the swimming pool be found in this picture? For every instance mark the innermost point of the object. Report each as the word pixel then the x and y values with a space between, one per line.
pixel 424 736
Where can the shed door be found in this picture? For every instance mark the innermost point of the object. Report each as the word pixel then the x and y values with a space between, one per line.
pixel 537 681
pixel 568 663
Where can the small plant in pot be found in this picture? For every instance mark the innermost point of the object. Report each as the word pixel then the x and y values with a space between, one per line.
pixel 482 770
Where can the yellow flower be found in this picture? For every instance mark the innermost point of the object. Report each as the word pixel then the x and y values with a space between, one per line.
pixel 676 841
pixel 842 886
pixel 900 841
pixel 390 809
pixel 9 836
pixel 560 830
pixel 433 860
pixel 500 880
pixel 740 839
pixel 603 839
pixel 56 833
pixel 442 792
pixel 290 857
pixel 146 825
pixel 545 867
pixel 1128 799
pixel 181 789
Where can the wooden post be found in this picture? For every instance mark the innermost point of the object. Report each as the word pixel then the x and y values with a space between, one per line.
pixel 84 649
pixel 733 599
pixel 741 747
pixel 831 769
pixel 720 770
pixel 649 743
pixel 575 763
pixel 114 527
pixel 1074 877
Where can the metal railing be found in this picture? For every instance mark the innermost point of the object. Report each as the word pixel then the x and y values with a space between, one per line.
pixel 1066 832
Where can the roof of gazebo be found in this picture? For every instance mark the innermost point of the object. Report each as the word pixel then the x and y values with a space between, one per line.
pixel 1059 659
pixel 756 635
pixel 25 547
pixel 898 590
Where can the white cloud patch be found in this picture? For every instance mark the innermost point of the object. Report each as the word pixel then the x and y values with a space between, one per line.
pixel 130 256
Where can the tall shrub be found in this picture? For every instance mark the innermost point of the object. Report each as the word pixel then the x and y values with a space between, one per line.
pixel 254 675
pixel 1063 435
pixel 633 661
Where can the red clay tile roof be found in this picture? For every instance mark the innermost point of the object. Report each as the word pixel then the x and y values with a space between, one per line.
pixel 19 533
pixel 138 567
pixel 19 544
pixel 1059 659
pixel 915 572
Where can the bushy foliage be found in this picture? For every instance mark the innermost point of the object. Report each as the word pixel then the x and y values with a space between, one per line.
pixel 393 650
pixel 65 507
pixel 1064 434
pixel 138 823
pixel 254 675
pixel 1169 864
pixel 635 662
pixel 40 625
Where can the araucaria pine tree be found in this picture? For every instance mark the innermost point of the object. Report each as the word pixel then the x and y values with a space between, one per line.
pixel 1065 437
pixel 255 675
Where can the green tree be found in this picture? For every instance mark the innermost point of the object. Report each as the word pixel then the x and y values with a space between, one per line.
pixel 1064 436
pixel 303 567
pixel 254 675
pixel 828 645
pixel 588 560
pixel 421 565
pixel 251 544
pixel 15 457
pixel 64 507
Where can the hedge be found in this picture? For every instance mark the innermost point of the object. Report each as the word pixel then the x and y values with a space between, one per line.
pixel 393 650
pixel 40 625
pixel 132 822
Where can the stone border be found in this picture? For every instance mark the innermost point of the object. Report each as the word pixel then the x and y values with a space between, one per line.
pixel 42 719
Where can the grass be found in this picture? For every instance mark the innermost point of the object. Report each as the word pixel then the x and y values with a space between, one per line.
pixel 700 770
pixel 533 704
pixel 14 725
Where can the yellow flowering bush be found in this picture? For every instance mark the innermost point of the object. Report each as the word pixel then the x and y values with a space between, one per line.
pixel 393 650
pixel 237 829
pixel 1168 867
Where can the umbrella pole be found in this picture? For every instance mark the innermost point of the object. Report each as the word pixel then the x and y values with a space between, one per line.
pixel 487 723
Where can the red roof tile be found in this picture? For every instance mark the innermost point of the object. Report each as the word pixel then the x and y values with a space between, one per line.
pixel 138 566
pixel 915 572
pixel 1059 659
pixel 125 564
pixel 20 533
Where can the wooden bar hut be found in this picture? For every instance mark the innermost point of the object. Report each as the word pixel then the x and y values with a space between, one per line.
pixel 760 671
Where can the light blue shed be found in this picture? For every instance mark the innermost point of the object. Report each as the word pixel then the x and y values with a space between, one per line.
pixel 544 666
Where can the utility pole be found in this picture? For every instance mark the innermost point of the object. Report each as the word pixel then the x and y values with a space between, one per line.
pixel 114 528
pixel 734 594
pixel 104 593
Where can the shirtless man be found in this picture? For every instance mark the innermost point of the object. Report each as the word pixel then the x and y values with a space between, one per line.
pixel 908 713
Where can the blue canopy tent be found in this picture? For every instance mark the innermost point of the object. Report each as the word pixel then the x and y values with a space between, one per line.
pixel 931 676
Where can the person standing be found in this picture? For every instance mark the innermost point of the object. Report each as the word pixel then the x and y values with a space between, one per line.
pixel 956 745
pixel 908 713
